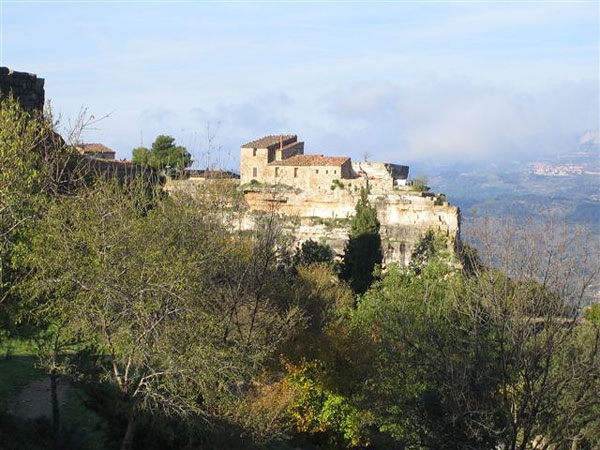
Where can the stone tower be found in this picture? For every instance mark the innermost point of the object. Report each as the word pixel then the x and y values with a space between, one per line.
pixel 255 156
pixel 26 88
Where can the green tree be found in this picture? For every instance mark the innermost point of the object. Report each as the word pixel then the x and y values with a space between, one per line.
pixel 36 165
pixel 95 270
pixel 310 393
pixel 495 357
pixel 163 155
pixel 362 253
pixel 429 247
pixel 311 252
pixel 151 286
pixel 431 379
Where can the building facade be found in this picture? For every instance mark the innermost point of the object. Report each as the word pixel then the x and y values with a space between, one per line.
pixel 280 160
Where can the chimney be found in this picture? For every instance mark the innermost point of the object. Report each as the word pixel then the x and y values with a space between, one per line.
pixel 280 141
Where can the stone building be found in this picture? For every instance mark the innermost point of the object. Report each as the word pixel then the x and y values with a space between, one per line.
pixel 96 151
pixel 316 196
pixel 280 159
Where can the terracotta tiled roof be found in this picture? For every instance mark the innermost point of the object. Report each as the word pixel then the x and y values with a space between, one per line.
pixel 95 148
pixel 312 160
pixel 266 141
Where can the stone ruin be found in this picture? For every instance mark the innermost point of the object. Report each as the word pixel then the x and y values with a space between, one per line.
pixel 25 87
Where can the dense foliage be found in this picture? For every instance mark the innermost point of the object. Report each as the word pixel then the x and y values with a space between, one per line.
pixel 163 155
pixel 176 330
pixel 362 254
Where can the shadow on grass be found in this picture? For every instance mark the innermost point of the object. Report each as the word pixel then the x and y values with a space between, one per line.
pixel 16 372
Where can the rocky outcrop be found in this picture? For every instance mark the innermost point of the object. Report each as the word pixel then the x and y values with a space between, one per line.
pixel 405 216
pixel 324 216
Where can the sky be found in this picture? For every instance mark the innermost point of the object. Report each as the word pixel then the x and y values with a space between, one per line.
pixel 395 81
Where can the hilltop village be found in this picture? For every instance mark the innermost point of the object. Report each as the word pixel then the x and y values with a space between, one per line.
pixel 160 320
pixel 314 194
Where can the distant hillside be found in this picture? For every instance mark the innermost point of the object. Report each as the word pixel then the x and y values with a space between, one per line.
pixel 566 187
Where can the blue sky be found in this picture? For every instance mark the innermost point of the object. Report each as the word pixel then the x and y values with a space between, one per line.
pixel 402 81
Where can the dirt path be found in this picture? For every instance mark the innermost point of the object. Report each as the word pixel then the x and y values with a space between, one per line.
pixel 34 399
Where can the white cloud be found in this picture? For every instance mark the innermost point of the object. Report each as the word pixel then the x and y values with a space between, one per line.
pixel 460 119
pixel 265 113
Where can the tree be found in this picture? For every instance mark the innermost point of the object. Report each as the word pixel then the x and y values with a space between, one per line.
pixel 494 356
pixel 101 268
pixel 131 276
pixel 146 283
pixel 310 393
pixel 362 253
pixel 36 165
pixel 419 183
pixel 163 155
pixel 429 381
pixel 548 389
pixel 311 252
pixel 430 246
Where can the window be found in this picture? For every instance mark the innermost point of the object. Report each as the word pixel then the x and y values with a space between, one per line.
pixel 295 172
pixel 253 152
pixel 335 172
pixel 254 172
pixel 327 172
pixel 276 171
pixel 317 170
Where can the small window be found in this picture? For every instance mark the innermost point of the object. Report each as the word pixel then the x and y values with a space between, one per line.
pixel 335 172
pixel 327 172
pixel 276 171
pixel 253 152
pixel 295 172
pixel 317 170
pixel 254 172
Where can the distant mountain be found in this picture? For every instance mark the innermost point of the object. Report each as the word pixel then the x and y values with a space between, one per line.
pixel 566 187
pixel 563 187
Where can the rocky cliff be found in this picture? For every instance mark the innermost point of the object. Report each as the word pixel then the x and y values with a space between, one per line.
pixel 405 215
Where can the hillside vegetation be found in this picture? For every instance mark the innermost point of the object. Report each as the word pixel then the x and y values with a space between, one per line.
pixel 176 331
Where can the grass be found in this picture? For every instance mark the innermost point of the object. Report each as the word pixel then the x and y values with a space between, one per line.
pixel 76 416
pixel 17 367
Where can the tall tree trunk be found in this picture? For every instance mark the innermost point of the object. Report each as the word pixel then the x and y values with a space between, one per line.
pixel 127 443
pixel 55 407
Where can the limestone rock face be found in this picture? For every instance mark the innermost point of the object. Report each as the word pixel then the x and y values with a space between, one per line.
pixel 405 216
pixel 324 215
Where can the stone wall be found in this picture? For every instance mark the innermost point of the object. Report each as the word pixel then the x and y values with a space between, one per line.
pixel 27 88
pixel 317 178
pixel 255 156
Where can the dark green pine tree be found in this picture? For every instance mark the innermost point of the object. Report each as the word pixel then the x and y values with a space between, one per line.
pixel 363 249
